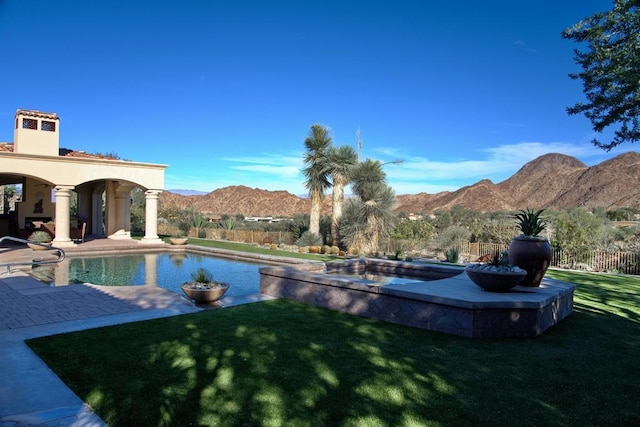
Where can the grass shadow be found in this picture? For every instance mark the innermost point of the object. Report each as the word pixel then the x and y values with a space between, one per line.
pixel 285 363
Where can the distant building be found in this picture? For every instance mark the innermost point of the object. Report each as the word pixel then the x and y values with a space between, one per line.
pixel 48 175
pixel 262 219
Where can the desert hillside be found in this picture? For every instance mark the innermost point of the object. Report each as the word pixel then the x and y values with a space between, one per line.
pixel 552 181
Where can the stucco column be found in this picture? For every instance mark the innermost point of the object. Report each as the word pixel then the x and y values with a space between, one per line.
pixel 63 195
pixel 151 217
pixel 119 212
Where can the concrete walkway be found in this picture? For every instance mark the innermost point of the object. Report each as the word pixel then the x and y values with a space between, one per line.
pixel 30 393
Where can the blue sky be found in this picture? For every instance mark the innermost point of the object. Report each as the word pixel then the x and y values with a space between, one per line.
pixel 224 92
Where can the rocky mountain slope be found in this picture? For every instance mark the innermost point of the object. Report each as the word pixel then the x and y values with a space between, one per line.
pixel 552 181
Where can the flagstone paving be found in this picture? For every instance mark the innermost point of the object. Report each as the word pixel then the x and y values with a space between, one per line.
pixel 30 393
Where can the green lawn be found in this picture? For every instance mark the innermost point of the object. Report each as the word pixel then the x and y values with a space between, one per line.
pixel 247 247
pixel 283 363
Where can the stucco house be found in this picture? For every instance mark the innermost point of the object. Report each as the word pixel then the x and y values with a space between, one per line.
pixel 49 175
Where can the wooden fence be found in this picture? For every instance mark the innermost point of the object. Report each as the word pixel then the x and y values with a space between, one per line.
pixel 621 262
pixel 251 236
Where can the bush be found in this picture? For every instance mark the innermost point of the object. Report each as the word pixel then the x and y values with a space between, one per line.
pixel 452 255
pixel 309 239
pixel 453 235
pixel 202 276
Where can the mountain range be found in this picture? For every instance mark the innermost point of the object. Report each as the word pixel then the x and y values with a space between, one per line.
pixel 551 181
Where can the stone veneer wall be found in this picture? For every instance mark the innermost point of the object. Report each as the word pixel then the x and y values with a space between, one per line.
pixel 462 318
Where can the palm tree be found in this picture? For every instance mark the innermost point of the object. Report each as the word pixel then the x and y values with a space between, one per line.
pixel 339 162
pixel 316 143
pixel 369 217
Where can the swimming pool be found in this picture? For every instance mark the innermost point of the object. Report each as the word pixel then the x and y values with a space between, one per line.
pixel 165 270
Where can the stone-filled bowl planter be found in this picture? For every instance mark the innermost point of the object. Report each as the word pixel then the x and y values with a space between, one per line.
pixel 204 293
pixel 495 278
pixel 178 240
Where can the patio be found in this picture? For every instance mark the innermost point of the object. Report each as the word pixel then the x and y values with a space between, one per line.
pixel 30 393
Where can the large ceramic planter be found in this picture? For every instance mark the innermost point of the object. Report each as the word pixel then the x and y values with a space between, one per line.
pixel 495 281
pixel 531 254
pixel 204 294
pixel 178 240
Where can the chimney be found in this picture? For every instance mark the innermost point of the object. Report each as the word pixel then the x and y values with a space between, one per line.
pixel 36 133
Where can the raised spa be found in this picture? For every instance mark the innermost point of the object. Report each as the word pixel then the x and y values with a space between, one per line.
pixel 429 296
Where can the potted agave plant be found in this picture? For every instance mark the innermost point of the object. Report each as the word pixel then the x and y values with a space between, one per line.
pixel 497 275
pixel 203 288
pixel 529 250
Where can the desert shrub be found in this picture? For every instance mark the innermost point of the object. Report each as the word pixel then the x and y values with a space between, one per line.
pixel 309 239
pixel 452 255
pixel 202 275
pixel 453 236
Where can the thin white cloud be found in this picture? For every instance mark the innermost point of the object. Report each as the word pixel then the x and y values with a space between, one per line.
pixel 522 45
pixel 268 163
pixel 282 171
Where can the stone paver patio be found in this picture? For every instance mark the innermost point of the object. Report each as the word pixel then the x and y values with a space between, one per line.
pixel 30 393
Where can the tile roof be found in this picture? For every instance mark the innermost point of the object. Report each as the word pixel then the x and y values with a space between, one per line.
pixel 36 113
pixel 7 147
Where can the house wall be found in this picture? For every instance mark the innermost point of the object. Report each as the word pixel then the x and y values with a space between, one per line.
pixel 36 203
pixel 35 156
pixel 76 171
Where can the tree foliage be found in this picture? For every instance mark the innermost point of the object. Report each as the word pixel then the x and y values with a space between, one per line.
pixel 577 231
pixel 407 229
pixel 610 71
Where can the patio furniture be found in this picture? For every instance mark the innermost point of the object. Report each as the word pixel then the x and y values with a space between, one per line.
pixel 77 234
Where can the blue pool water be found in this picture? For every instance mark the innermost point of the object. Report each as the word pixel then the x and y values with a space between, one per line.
pixel 165 270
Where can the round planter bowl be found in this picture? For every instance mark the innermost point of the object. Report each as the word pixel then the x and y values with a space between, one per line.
pixel 178 240
pixel 495 281
pixel 38 247
pixel 204 295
